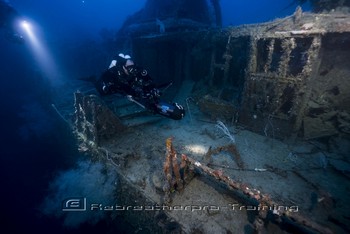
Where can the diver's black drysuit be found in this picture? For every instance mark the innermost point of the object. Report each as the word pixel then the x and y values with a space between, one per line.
pixel 133 81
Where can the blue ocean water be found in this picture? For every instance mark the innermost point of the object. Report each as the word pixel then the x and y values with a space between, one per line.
pixel 36 145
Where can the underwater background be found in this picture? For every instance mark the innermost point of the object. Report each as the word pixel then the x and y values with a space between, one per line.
pixel 39 157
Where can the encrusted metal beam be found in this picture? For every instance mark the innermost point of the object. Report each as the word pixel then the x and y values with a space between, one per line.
pixel 252 193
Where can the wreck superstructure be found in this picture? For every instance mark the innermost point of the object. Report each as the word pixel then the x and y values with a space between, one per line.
pixel 290 72
pixel 277 86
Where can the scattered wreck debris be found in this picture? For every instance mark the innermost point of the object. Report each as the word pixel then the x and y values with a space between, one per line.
pixel 94 121
pixel 266 205
pixel 231 148
pixel 171 168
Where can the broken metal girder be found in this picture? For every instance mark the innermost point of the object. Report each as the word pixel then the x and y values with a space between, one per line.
pixel 263 199
pixel 173 177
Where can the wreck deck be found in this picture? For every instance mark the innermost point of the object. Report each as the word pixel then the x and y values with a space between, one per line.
pixel 279 99
pixel 295 176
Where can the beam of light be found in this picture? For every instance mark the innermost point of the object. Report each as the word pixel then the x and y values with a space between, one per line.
pixel 25 25
pixel 40 51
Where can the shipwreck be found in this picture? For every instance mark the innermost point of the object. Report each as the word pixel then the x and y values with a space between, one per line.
pixel 264 146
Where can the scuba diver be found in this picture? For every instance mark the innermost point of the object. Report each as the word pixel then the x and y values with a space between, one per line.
pixel 8 19
pixel 134 82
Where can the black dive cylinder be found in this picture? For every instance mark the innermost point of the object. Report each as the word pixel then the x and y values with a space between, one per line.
pixel 173 111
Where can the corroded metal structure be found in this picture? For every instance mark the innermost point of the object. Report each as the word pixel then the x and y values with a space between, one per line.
pixel 283 78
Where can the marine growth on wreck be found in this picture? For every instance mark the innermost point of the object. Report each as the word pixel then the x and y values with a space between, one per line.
pixel 264 144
